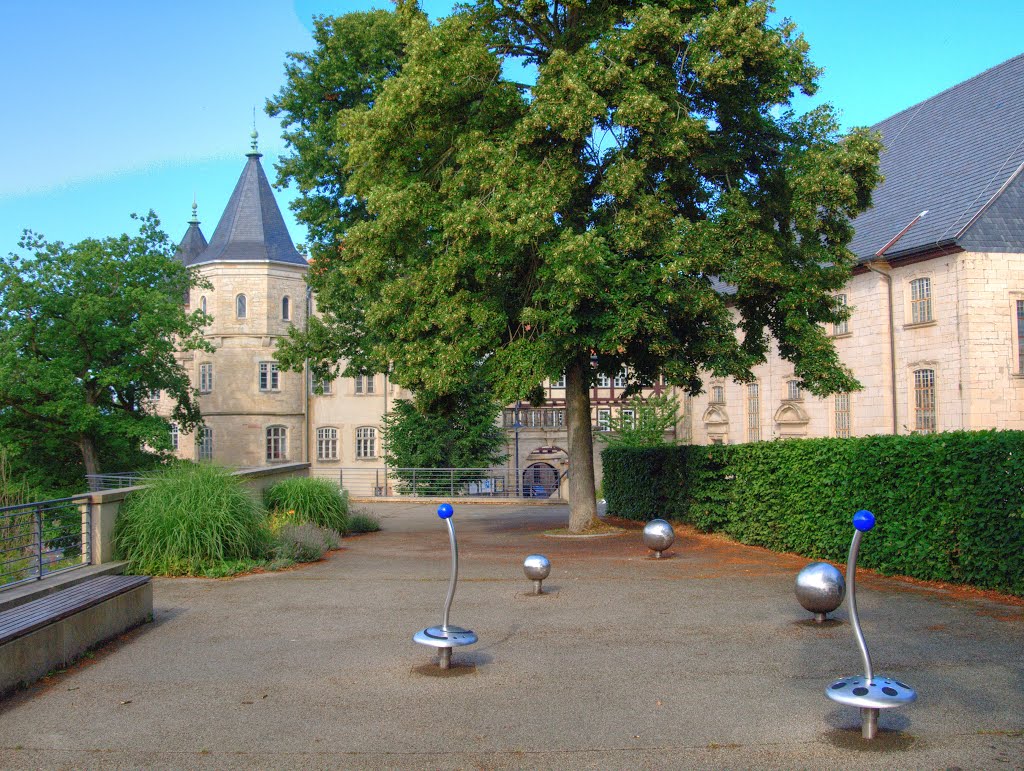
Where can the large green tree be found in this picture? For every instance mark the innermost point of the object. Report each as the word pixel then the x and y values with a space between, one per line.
pixel 451 430
pixel 648 199
pixel 88 334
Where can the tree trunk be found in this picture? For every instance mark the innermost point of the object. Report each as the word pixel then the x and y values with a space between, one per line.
pixel 89 456
pixel 582 498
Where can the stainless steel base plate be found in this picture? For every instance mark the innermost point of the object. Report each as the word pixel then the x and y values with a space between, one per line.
pixel 881 693
pixel 453 637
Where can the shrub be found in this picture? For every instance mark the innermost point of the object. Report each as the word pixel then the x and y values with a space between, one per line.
pixel 950 506
pixel 191 520
pixel 361 522
pixel 305 543
pixel 306 500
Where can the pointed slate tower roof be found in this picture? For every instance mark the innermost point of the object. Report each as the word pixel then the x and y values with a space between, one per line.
pixel 194 242
pixel 251 228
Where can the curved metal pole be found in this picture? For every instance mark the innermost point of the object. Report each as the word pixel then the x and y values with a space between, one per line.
pixel 455 574
pixel 851 590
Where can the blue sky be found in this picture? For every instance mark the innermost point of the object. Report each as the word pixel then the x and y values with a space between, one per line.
pixel 113 107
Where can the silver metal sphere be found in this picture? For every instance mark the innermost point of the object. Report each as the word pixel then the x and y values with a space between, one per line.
pixel 658 535
pixel 820 588
pixel 537 567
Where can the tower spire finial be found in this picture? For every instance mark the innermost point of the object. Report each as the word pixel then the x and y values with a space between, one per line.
pixel 195 209
pixel 255 151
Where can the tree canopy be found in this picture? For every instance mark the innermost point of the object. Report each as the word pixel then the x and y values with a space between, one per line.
pixel 648 200
pixel 455 430
pixel 88 335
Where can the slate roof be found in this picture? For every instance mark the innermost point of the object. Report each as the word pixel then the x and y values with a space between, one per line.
pixel 192 244
pixel 251 228
pixel 959 156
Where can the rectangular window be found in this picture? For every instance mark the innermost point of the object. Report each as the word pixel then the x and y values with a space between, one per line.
pixel 1020 336
pixel 269 376
pixel 629 419
pixel 174 436
pixel 320 387
pixel 843 327
pixel 793 391
pixel 603 381
pixel 843 415
pixel 205 443
pixel 277 443
pixel 205 378
pixel 920 300
pixel 365 384
pixel 753 413
pixel 559 383
pixel 327 444
pixel 604 419
pixel 621 379
pixel 924 401
pixel 366 442
pixel 717 394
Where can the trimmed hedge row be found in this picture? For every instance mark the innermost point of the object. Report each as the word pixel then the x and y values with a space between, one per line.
pixel 950 507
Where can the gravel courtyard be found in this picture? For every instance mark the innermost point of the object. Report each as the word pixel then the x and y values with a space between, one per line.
pixel 701 660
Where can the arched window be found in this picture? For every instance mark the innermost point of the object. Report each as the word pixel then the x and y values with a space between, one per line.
pixel 202 303
pixel 366 442
pixel 240 309
pixel 277 443
pixel 327 444
pixel 286 309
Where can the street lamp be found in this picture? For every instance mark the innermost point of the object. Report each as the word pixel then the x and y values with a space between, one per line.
pixel 516 425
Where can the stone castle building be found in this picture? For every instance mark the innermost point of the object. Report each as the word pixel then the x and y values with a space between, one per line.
pixel 935 335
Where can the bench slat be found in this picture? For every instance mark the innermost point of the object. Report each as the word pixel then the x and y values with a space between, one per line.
pixel 34 615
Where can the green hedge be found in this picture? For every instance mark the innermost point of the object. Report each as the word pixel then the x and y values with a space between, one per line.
pixel 949 506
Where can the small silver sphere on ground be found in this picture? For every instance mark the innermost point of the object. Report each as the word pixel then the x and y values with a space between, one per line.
pixel 658 536
pixel 820 588
pixel 537 567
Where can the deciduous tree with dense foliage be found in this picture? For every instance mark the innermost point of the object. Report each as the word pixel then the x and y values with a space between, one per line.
pixel 647 200
pixel 88 335
pixel 453 430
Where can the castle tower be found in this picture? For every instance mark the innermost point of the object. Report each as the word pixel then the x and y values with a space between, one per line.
pixel 254 413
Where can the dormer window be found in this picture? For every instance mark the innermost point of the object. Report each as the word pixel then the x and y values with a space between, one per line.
pixel 240 307
pixel 286 309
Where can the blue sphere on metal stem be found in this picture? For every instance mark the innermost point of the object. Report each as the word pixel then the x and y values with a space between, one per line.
pixel 445 510
pixel 863 520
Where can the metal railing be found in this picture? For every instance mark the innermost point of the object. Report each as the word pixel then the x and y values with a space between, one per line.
pixel 101 482
pixel 45 537
pixel 538 482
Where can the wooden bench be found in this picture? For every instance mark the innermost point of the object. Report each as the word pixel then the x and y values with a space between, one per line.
pixel 50 632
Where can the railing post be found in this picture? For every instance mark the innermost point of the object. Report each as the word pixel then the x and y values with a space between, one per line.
pixel 39 541
pixel 87 535
pixel 452 483
pixel 341 478
pixel 414 481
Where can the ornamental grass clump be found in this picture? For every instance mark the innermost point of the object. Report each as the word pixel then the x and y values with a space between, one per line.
pixel 305 500
pixel 191 520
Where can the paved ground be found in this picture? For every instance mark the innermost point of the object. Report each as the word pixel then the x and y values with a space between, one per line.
pixel 701 660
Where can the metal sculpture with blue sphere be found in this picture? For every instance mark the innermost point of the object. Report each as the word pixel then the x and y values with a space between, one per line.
pixel 447 636
pixel 820 588
pixel 658 536
pixel 869 692
pixel 537 567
